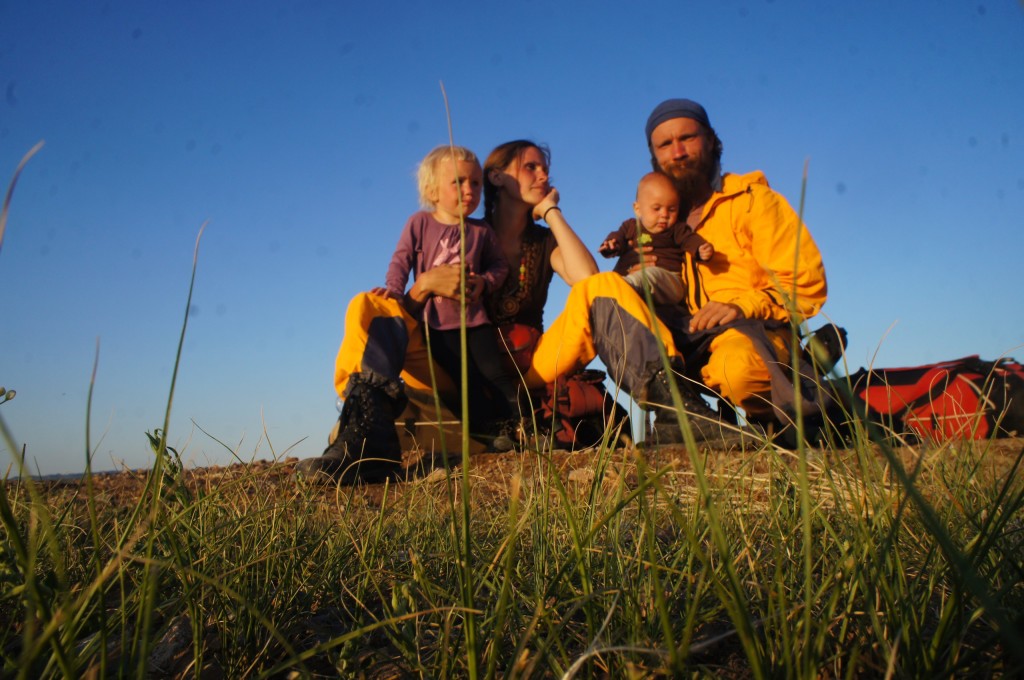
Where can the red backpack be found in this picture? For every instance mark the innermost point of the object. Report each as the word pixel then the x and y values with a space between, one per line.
pixel 964 398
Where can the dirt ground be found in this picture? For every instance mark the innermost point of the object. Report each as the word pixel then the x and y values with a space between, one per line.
pixel 492 473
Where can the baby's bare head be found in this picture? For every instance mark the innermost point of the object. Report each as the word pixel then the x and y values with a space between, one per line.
pixel 657 202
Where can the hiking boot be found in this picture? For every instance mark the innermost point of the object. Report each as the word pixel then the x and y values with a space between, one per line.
pixel 707 427
pixel 825 346
pixel 367 447
pixel 706 424
pixel 502 436
pixel 514 435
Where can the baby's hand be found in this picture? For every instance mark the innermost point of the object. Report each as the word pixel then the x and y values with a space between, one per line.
pixel 610 247
pixel 705 251
pixel 646 254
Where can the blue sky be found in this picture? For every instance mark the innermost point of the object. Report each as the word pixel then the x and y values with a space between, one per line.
pixel 295 129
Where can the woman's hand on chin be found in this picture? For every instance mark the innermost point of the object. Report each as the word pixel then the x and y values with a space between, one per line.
pixel 548 202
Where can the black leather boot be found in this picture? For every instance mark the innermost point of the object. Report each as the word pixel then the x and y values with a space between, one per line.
pixel 367 447
pixel 706 423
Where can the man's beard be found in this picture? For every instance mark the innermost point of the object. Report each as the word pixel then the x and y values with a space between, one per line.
pixel 692 180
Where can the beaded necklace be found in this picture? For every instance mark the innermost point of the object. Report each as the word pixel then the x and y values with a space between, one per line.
pixel 509 300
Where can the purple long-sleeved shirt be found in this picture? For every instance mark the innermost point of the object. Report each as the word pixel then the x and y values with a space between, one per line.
pixel 426 243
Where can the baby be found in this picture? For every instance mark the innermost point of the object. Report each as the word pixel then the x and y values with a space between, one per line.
pixel 450 181
pixel 656 225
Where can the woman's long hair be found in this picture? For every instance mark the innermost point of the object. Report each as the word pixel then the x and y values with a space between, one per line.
pixel 500 159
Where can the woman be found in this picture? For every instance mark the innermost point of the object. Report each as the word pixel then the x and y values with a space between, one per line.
pixel 383 349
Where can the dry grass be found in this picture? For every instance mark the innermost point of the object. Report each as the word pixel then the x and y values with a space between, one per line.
pixel 603 559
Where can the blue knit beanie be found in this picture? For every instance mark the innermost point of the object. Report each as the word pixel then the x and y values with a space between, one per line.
pixel 676 108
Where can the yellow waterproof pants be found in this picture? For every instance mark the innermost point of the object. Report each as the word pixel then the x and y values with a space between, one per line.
pixel 603 316
pixel 382 338
pixel 736 371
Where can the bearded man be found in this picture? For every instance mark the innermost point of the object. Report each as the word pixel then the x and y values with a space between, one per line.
pixel 766 266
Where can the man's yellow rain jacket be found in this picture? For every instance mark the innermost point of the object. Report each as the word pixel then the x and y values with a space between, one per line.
pixel 768 265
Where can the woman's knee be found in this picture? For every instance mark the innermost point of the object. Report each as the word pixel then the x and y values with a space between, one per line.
pixel 377 338
pixel 364 307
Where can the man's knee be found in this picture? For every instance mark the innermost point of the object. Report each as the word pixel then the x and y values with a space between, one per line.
pixel 602 284
pixel 736 371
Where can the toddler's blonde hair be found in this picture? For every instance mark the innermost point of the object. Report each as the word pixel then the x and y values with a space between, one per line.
pixel 426 175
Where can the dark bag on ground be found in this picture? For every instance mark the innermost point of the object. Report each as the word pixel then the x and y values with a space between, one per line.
pixel 967 398
pixel 578 408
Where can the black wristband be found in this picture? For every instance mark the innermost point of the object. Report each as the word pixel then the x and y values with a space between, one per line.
pixel 545 215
